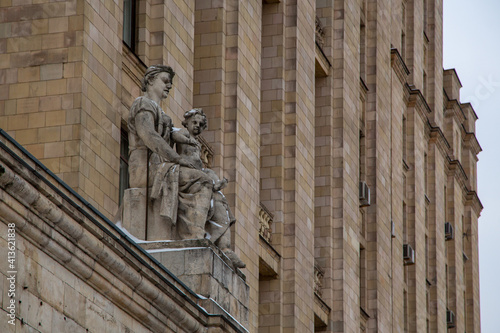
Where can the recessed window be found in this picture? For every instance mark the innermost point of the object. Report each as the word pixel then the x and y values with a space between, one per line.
pixel 129 23
pixel 123 166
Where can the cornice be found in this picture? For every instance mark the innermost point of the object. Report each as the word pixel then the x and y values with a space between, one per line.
pixel 417 101
pixel 457 171
pixel 399 66
pixel 472 200
pixel 406 94
pixel 470 141
pixel 469 105
pixel 427 131
pixel 453 109
pixel 437 137
pixel 363 88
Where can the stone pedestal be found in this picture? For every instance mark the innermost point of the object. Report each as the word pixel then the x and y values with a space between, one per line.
pixel 134 211
pixel 208 272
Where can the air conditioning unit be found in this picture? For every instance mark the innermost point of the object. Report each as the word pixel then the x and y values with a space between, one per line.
pixel 448 231
pixel 450 318
pixel 408 254
pixel 364 194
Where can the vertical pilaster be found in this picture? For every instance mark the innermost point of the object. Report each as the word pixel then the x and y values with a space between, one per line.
pixel 298 239
pixel 345 180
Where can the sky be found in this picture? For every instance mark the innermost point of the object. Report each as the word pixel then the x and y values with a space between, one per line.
pixel 472 47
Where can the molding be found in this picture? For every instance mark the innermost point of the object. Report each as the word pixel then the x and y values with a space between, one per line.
pixel 469 105
pixel 269 258
pixel 132 65
pixel 437 137
pixel 363 88
pixel 453 109
pixel 473 201
pixel 399 66
pixel 427 131
pixel 406 95
pixel 417 101
pixel 321 309
pixel 456 170
pixel 471 142
pixel 454 73
pixel 322 65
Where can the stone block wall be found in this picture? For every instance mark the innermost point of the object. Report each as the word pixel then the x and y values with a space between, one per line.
pixel 41 81
pixel 294 125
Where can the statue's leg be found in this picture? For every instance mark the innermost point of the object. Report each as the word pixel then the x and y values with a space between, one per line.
pixel 195 194
pixel 221 232
pixel 220 220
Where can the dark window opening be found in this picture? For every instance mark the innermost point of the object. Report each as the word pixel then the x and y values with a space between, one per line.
pixel 123 166
pixel 129 23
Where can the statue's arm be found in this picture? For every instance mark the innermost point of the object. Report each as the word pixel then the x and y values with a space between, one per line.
pixel 144 124
pixel 182 136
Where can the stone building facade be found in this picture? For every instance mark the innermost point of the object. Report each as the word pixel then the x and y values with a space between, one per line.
pixel 351 161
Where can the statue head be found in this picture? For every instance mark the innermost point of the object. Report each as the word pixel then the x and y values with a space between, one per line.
pixel 198 117
pixel 152 72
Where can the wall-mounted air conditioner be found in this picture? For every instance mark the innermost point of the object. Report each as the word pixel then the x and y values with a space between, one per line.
pixel 408 254
pixel 450 318
pixel 448 231
pixel 364 194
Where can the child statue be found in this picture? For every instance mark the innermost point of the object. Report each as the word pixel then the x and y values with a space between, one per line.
pixel 220 217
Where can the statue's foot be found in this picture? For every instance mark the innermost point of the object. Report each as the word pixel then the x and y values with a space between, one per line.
pixel 237 262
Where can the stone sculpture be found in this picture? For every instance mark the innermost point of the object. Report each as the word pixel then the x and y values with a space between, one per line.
pixel 171 195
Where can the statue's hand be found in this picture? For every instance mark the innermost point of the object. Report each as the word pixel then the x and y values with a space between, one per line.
pixel 220 184
pixel 186 163
pixel 193 142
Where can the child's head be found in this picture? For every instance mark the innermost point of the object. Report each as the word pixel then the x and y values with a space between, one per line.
pixel 195 112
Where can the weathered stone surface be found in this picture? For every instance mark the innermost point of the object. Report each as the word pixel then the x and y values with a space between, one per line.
pixel 72 276
pixel 172 195
pixel 134 214
pixel 207 271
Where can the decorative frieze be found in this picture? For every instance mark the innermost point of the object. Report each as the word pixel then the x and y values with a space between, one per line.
pixel 320 33
pixel 318 279
pixel 265 223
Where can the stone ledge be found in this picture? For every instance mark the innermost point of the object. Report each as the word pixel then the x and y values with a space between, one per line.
pixel 191 243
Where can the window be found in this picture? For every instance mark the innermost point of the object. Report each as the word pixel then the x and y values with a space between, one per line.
pixel 426 20
pixel 363 263
pixel 404 138
pixel 426 177
pixel 123 166
pixel 129 23
pixel 403 32
pixel 406 325
pixel 362 41
pixel 425 66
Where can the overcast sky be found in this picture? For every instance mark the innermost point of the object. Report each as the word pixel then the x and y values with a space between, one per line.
pixel 472 47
